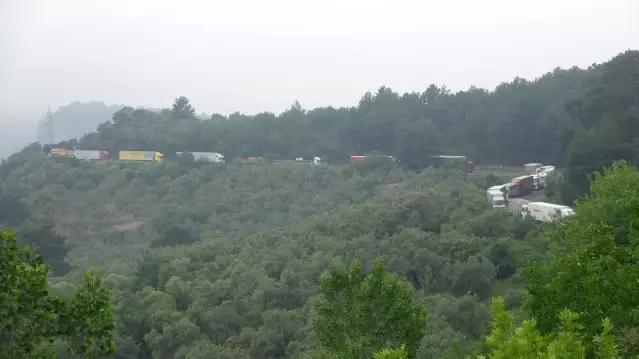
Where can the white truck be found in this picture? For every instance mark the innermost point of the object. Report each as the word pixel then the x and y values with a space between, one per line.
pixel 536 183
pixel 206 156
pixel 515 205
pixel 301 161
pixel 498 196
pixel 531 168
pixel 545 212
pixel 543 174
pixel 540 174
pixel 91 155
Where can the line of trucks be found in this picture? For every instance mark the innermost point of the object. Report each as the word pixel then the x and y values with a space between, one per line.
pixel 98 155
pixel 508 196
pixel 154 156
pixel 461 162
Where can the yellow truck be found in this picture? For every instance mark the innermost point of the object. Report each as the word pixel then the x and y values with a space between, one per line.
pixel 61 152
pixel 140 156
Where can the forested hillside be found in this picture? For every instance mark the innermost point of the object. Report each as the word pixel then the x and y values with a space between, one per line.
pixel 244 246
pixel 580 119
pixel 209 260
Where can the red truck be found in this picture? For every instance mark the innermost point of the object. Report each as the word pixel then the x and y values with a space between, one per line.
pixel 355 159
pixel 522 186
pixel 470 166
pixel 459 162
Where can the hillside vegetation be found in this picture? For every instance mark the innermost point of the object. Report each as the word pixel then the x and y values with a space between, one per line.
pixel 581 119
pixel 224 261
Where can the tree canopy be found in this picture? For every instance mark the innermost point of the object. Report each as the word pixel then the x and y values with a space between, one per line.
pixel 593 266
pixel 359 316
pixel 32 320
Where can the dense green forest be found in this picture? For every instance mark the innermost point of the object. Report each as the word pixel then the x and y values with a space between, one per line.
pixel 580 119
pixel 209 260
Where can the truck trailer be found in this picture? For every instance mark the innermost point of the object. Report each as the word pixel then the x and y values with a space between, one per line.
pixel 300 161
pixel 545 212
pixel 455 161
pixel 151 156
pixel 522 186
pixel 205 156
pixel 253 160
pixel 61 152
pixel 91 155
pixel 532 167
pixel 515 205
pixel 355 159
pixel 545 173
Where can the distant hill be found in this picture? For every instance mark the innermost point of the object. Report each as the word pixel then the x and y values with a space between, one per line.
pixel 14 136
pixel 76 119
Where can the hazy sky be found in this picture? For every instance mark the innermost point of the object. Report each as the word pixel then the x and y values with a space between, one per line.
pixel 256 55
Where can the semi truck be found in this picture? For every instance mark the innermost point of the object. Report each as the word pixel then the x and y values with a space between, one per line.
pixel 522 185
pixel 497 198
pixel 355 159
pixel 531 168
pixel 205 156
pixel 91 155
pixel 151 156
pixel 515 205
pixel 536 183
pixel 300 161
pixel 61 152
pixel 544 173
pixel 545 212
pixel 456 161
pixel 252 160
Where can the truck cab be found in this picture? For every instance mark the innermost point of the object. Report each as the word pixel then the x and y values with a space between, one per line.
pixel 544 173
pixel 566 212
pixel 497 198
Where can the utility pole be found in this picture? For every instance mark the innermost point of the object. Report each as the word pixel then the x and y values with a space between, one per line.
pixel 49 126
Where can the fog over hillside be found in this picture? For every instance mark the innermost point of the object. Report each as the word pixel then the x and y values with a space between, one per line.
pixel 17 130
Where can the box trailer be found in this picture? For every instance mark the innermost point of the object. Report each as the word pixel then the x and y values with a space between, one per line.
pixel 522 185
pixel 515 205
pixel 253 160
pixel 140 156
pixel 91 155
pixel 532 167
pixel 461 162
pixel 300 161
pixel 355 159
pixel 61 152
pixel 206 156
pixel 545 212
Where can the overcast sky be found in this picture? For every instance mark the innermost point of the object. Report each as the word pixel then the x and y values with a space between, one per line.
pixel 256 55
